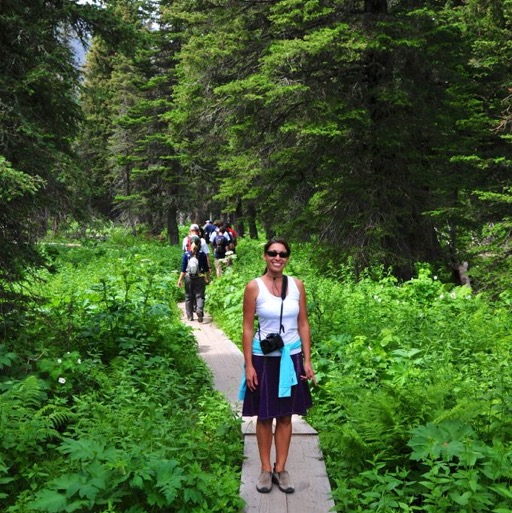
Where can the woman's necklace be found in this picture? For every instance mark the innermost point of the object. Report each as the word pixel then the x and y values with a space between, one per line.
pixel 276 289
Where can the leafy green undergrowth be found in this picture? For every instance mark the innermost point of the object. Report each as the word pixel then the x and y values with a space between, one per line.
pixel 105 404
pixel 414 400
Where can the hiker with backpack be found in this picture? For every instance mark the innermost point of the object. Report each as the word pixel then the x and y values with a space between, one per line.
pixel 233 238
pixel 208 229
pixel 195 270
pixel 220 245
pixel 194 231
pixel 218 225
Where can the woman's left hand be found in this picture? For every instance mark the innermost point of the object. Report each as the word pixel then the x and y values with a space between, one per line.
pixel 309 373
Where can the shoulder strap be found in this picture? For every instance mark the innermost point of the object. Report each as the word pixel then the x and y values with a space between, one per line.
pixel 283 297
pixel 284 287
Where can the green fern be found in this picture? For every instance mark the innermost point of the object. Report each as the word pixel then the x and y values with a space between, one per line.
pixel 57 416
pixel 26 420
pixel 30 392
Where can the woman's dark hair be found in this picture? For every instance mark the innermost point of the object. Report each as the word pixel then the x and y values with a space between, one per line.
pixel 276 240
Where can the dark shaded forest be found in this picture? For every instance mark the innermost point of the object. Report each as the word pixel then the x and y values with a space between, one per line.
pixel 378 129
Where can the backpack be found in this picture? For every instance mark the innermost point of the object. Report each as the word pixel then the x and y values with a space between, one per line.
pixel 208 230
pixel 193 265
pixel 233 235
pixel 220 243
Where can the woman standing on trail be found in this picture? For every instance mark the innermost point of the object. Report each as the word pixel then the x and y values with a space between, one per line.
pixel 275 384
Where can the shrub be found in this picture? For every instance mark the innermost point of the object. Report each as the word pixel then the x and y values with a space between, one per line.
pixel 113 409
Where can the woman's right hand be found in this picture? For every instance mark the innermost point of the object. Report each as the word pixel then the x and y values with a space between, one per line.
pixel 251 378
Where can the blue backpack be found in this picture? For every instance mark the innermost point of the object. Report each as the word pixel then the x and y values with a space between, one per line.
pixel 220 242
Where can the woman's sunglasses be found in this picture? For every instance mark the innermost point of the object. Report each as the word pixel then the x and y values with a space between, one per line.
pixel 282 254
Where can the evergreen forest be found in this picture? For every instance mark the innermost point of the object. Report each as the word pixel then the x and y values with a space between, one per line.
pixel 375 135
pixel 377 129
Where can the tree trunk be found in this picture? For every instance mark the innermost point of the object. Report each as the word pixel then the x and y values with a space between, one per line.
pixel 239 220
pixel 251 220
pixel 376 6
pixel 172 225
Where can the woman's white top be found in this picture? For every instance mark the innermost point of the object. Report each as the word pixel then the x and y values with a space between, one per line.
pixel 268 309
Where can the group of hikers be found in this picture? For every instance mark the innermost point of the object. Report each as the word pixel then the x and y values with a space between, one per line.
pixel 196 263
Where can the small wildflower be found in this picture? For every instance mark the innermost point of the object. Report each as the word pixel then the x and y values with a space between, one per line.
pixel 62 381
pixel 435 277
pixel 79 361
pixel 59 360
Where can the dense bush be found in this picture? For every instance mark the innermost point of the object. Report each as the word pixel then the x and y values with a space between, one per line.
pixel 413 403
pixel 105 404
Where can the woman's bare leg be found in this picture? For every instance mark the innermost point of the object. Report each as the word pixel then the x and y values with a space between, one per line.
pixel 264 438
pixel 283 437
